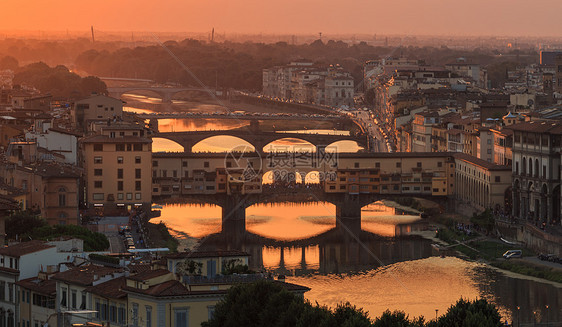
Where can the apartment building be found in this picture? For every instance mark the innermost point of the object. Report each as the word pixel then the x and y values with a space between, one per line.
pixel 117 167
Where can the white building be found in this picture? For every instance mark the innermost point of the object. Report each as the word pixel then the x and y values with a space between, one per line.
pixel 96 108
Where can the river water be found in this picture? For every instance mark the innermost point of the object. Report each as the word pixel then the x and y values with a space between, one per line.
pixel 379 268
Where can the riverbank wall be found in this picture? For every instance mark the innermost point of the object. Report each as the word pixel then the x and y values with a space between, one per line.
pixel 532 237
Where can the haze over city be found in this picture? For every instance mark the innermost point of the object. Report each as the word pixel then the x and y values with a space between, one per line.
pixel 359 163
pixel 411 17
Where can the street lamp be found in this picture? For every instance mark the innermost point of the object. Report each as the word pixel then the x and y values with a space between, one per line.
pixel 518 316
pixel 436 311
pixel 547 322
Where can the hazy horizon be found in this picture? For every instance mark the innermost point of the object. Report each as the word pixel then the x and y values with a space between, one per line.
pixel 515 18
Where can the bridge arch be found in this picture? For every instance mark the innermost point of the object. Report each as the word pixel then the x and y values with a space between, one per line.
pixel 344 146
pixel 162 144
pixel 282 176
pixel 313 177
pixel 289 144
pixel 223 143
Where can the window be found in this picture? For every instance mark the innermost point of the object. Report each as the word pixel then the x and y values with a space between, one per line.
pixel 154 163
pixel 97 196
pixel 11 290
pixel 119 160
pixel 98 184
pixel 137 159
pixel 62 200
pixel 137 196
pixel 129 196
pixel 63 295
pixel 98 160
pixel 112 312
pixel 211 311
pixel 148 316
pixel 73 303
pixel 135 314
pixel 120 186
pixel 120 147
pixel 206 164
pixel 543 171
pixel 137 185
pixel 98 172
pixel 98 147
pixel 497 179
pixel 398 164
pixel 356 165
pixel 377 164
pixel 419 164
pixel 83 303
pixel 439 164
pixel 184 163
pixel 180 317
pixel 129 147
pixel 121 314
pixel 137 173
pixel 120 173
pixel 119 196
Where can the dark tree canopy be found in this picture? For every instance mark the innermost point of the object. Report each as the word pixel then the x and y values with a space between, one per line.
pixel 265 303
pixel 58 81
pixel 9 62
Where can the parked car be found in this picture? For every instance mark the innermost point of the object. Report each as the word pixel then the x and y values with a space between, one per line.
pixel 512 254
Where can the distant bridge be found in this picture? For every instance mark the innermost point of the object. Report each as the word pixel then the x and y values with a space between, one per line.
pixel 258 139
pixel 166 93
pixel 226 115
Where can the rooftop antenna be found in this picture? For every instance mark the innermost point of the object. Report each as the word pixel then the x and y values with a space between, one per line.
pixel 320 36
pixel 93 39
pixel 213 35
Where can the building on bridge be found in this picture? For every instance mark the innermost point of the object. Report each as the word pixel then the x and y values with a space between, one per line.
pixel 537 171
pixel 183 174
pixel 117 164
pixel 96 108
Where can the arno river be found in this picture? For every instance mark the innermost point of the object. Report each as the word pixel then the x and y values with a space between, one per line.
pixel 382 268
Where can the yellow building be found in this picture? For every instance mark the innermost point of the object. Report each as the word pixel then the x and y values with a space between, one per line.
pixel 37 300
pixel 118 164
pixel 110 302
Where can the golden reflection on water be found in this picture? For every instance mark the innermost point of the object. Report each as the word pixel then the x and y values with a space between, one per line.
pixel 280 221
pixel 417 287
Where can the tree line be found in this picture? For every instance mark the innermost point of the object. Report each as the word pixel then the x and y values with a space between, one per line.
pixel 265 303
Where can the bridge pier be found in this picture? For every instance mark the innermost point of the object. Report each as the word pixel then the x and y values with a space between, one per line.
pixel 234 215
pixel 348 215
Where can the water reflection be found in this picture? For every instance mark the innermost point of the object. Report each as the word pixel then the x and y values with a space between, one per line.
pixel 377 268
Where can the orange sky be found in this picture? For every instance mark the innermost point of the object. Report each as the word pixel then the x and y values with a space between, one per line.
pixel 488 17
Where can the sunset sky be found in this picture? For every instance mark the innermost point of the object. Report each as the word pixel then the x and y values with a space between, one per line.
pixel 440 17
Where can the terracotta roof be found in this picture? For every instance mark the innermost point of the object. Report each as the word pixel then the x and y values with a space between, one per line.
pixel 149 274
pixel 168 288
pixel 550 127
pixel 112 289
pixel 479 162
pixel 207 254
pixel 38 285
pixel 64 131
pixel 139 268
pixel 19 249
pixel 56 170
pixel 86 275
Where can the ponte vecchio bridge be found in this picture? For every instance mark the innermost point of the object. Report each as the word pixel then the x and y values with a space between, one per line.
pixel 350 181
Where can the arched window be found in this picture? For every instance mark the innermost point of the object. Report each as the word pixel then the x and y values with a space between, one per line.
pixel 62 196
pixel 530 167
pixel 536 167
